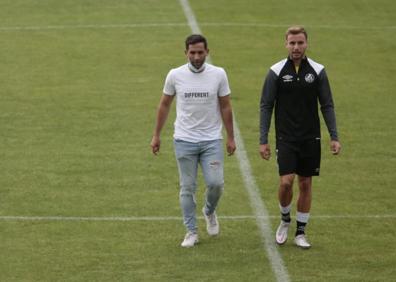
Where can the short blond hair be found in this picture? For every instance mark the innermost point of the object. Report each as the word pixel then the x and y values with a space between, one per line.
pixel 296 29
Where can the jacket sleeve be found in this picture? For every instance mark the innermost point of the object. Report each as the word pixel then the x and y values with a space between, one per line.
pixel 267 102
pixel 327 105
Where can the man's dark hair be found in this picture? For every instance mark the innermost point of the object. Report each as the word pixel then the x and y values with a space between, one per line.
pixel 194 39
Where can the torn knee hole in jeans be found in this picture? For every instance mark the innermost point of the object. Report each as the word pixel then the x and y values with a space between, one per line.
pixel 215 164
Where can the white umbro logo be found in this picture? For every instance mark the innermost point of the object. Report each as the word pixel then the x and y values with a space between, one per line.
pixel 287 78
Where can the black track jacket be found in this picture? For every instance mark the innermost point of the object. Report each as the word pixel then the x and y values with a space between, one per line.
pixel 296 96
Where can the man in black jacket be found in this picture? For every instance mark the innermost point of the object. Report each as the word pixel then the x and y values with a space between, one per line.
pixel 294 86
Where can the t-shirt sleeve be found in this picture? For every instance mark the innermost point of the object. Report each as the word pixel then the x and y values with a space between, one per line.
pixel 224 88
pixel 169 86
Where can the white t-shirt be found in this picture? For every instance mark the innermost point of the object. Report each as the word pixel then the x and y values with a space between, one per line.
pixel 198 115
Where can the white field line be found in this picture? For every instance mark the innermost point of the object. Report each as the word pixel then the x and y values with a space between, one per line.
pixel 175 24
pixel 178 218
pixel 258 206
pixel 260 211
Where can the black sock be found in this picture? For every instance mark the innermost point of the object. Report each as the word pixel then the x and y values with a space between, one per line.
pixel 300 228
pixel 286 217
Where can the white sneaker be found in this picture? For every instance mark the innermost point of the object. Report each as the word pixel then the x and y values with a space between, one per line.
pixel 302 242
pixel 212 224
pixel 190 240
pixel 281 232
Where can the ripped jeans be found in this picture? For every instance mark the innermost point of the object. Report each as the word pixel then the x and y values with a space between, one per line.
pixel 210 156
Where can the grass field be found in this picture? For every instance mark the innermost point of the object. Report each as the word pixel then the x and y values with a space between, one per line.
pixel 80 81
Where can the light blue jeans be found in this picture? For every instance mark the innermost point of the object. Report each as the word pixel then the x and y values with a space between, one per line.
pixel 210 156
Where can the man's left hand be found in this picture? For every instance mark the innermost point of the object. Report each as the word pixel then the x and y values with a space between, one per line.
pixel 231 147
pixel 335 147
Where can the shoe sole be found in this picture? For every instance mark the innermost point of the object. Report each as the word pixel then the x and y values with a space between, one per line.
pixel 279 243
pixel 213 235
pixel 195 243
pixel 302 247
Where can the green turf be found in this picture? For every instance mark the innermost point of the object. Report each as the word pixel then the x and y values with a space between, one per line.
pixel 77 108
pixel 127 251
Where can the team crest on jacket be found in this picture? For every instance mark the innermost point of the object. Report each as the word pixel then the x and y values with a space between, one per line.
pixel 309 77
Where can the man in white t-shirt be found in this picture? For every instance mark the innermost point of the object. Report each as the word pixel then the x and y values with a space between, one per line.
pixel 202 103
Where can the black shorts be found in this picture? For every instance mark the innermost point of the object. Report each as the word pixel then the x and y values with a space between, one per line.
pixel 301 157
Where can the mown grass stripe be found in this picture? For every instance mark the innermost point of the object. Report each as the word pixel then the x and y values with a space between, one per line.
pixel 176 24
pixel 177 218
pixel 256 203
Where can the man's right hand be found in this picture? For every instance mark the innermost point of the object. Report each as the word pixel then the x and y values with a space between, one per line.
pixel 265 151
pixel 155 144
